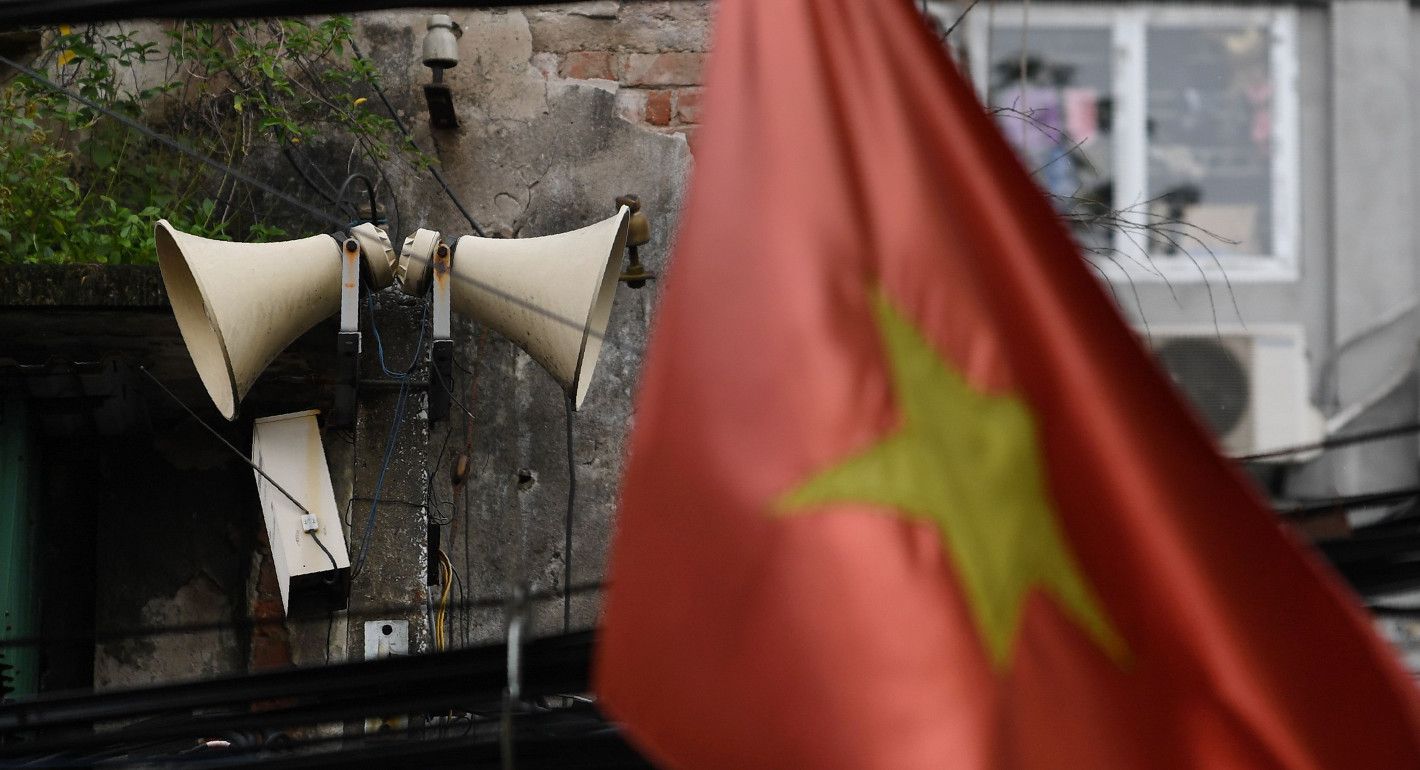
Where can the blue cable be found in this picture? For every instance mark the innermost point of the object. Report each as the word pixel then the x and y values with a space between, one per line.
pixel 395 424
pixel 380 345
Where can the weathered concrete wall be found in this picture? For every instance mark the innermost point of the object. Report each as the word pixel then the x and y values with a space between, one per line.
pixel 174 539
pixel 152 523
pixel 393 573
pixel 561 109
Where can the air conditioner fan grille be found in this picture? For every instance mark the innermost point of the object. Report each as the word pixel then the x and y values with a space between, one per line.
pixel 1212 377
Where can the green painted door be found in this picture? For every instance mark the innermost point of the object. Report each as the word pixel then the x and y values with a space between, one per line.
pixel 19 666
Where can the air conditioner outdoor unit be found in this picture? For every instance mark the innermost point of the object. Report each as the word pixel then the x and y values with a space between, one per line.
pixel 1249 385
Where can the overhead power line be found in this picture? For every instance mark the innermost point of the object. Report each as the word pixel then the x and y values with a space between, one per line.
pixel 409 137
pixel 29 12
pixel 249 624
pixel 401 684
pixel 568 738
pixel 244 458
pixel 1333 442
pixel 1307 509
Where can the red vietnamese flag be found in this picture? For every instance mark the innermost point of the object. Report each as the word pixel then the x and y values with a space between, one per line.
pixel 905 492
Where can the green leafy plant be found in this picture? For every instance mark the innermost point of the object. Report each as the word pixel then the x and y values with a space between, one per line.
pixel 284 101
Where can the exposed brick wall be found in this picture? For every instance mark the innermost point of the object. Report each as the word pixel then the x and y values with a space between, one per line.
pixel 270 643
pixel 650 54
pixel 661 69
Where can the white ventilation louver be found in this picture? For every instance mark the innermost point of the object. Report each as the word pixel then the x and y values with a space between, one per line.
pixel 1249 385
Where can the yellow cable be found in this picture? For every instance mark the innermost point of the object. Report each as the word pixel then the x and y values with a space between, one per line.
pixel 441 612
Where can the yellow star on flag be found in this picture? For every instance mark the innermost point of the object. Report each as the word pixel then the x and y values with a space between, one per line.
pixel 968 463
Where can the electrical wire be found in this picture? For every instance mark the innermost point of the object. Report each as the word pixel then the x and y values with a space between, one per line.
pixel 451 583
pixel 1333 442
pixel 459 588
pixel 571 513
pixel 575 730
pixel 1304 509
pixel 289 153
pixel 433 470
pixel 364 141
pixel 441 613
pixel 326 216
pixel 369 187
pixel 402 400
pixel 1394 611
pixel 395 424
pixel 399 374
pixel 404 684
pixel 171 143
pixel 331 577
pixel 409 137
pixel 244 458
pixel 448 386
pixel 16 13
pixel 438 613
pixel 960 17
pixel 437 506
pixel 305 177
pixel 335 219
pixel 249 624
pixel 441 512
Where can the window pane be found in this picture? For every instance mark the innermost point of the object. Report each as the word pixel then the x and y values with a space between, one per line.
pixel 1210 135
pixel 1058 115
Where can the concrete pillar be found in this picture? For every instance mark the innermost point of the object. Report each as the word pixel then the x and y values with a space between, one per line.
pixel 395 567
pixel 1373 272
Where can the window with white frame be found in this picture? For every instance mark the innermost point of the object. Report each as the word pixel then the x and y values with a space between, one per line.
pixel 1166 134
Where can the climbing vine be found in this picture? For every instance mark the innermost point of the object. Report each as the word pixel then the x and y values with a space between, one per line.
pixel 283 100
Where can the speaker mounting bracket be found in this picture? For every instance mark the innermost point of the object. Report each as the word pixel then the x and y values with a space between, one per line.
pixel 441 352
pixel 347 346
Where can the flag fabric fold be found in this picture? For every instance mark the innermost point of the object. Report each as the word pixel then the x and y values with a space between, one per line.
pixel 904 491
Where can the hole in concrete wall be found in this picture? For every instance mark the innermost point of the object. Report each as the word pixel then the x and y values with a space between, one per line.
pixel 388 629
pixel 526 478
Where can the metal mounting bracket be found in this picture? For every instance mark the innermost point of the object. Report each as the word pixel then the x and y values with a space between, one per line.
pixel 441 351
pixel 386 639
pixel 347 350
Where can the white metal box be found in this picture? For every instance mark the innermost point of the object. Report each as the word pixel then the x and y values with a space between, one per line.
pixel 288 448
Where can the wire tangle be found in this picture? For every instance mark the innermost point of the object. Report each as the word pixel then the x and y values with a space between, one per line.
pixel 395 424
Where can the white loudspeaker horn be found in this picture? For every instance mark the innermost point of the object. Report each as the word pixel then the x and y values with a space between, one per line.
pixel 238 305
pixel 551 295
